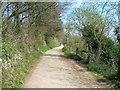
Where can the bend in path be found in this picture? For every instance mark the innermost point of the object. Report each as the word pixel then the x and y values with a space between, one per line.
pixel 54 70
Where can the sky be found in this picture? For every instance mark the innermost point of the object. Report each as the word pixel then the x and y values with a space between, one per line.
pixel 78 3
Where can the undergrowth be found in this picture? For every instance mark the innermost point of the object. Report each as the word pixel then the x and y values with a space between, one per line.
pixel 108 73
pixel 17 63
pixel 71 55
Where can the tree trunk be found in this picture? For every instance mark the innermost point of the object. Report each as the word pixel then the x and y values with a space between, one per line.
pixel 118 38
pixel 118 75
pixel 17 19
pixel 89 55
pixel 98 52
pixel 76 51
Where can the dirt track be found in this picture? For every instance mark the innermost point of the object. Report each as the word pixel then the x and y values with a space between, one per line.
pixel 54 70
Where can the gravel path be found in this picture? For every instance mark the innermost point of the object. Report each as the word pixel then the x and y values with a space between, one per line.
pixel 54 70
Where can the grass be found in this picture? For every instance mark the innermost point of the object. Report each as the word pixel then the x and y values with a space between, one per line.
pixel 71 55
pixel 109 74
pixel 14 76
pixel 104 73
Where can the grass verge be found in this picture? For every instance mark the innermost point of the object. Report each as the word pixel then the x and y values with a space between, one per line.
pixel 103 73
pixel 13 76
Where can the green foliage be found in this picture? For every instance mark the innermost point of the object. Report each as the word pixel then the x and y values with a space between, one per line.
pixel 52 42
pixel 16 68
pixel 71 55
pixel 103 69
pixel 8 50
pixel 107 71
pixel 25 38
pixel 109 51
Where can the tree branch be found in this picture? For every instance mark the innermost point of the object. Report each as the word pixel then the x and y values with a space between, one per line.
pixel 19 12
